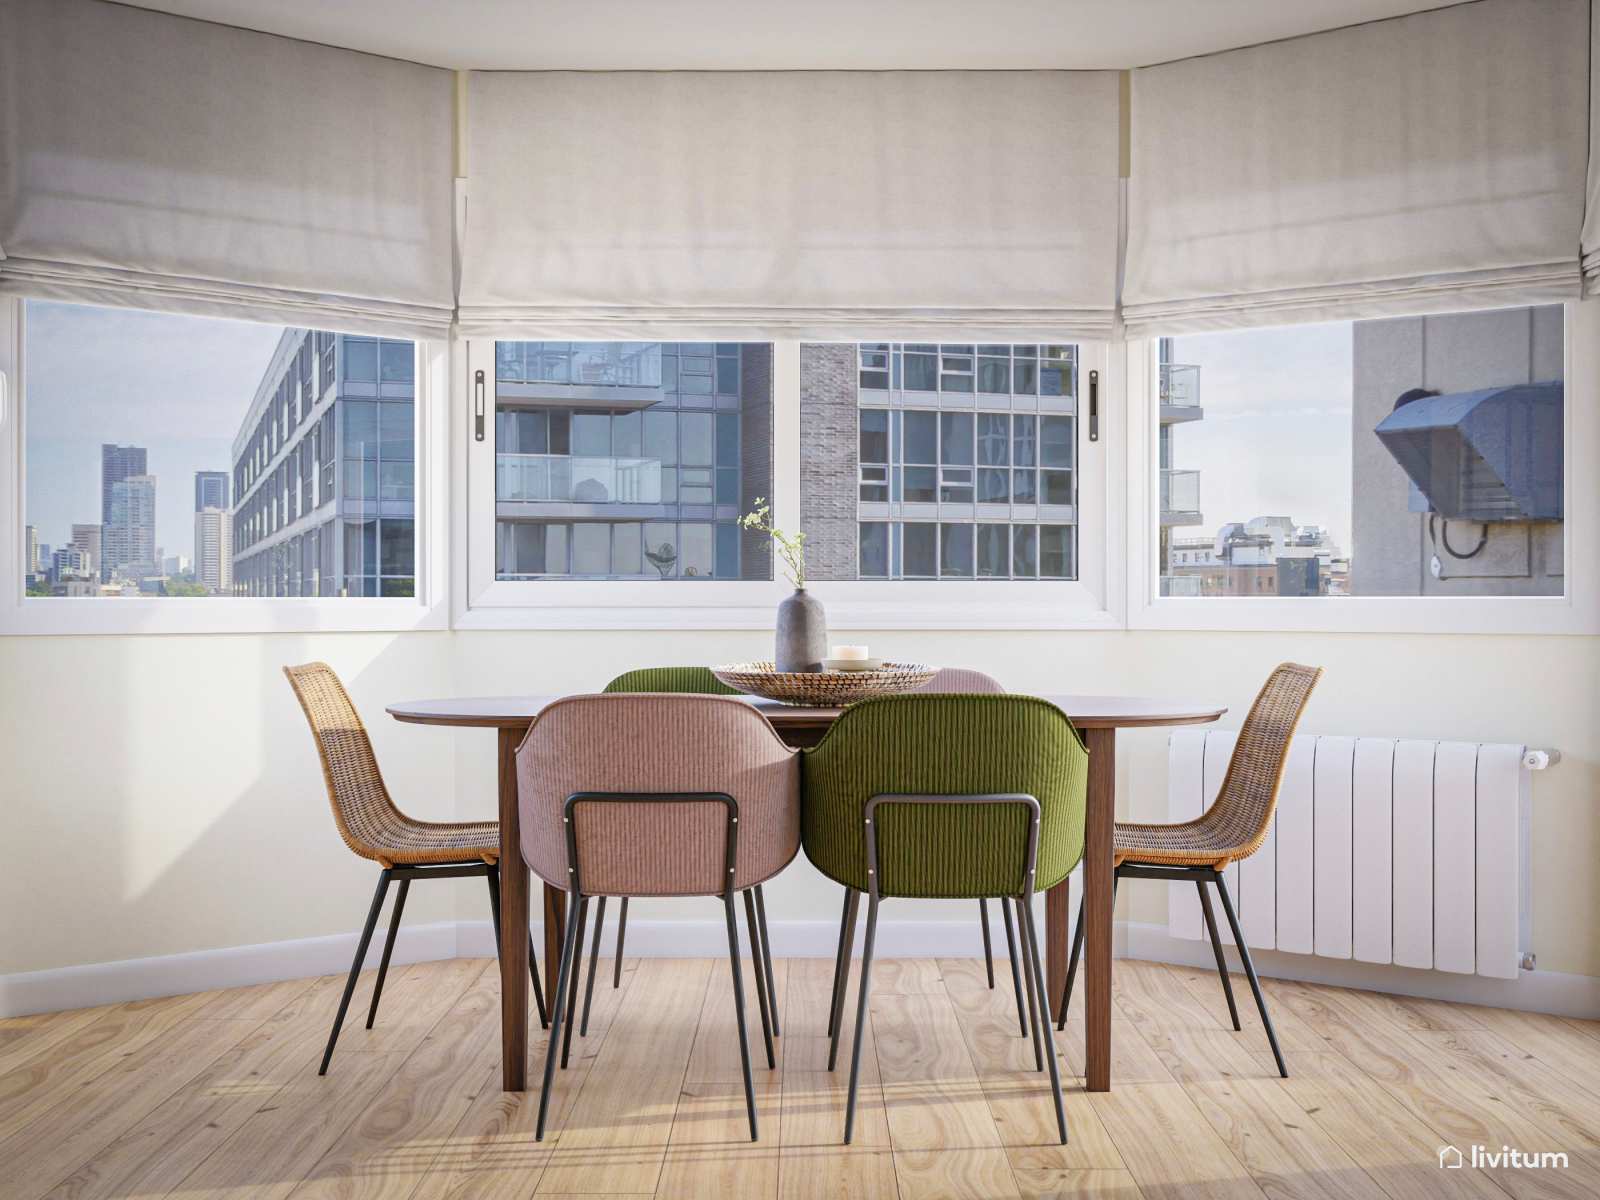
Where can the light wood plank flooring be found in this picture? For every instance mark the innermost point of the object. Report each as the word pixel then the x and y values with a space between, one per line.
pixel 216 1097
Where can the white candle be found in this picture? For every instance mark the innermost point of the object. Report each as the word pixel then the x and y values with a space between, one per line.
pixel 850 653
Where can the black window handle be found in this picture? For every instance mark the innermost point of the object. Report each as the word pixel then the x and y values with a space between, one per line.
pixel 477 405
pixel 1094 405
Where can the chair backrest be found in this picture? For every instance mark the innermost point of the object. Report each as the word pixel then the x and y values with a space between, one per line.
pixel 361 805
pixel 1243 810
pixel 930 744
pixel 671 679
pixel 653 744
pixel 963 679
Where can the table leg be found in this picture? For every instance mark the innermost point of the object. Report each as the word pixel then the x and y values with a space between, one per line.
pixel 513 925
pixel 1098 894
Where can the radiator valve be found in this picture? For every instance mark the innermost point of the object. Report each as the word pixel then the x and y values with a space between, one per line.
pixel 1538 760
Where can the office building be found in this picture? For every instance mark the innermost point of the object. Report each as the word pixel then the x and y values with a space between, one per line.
pixel 69 563
pixel 213 550
pixel 88 538
pixel 631 459
pixel 116 464
pixel 210 489
pixel 323 471
pixel 128 547
pixel 30 548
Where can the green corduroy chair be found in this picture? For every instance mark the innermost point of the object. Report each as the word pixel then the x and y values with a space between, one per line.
pixel 698 681
pixel 946 796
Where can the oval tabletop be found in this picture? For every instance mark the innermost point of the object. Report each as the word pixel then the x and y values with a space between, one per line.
pixel 1103 712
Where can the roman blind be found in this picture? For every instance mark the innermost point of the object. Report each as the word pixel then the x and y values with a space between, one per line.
pixel 1426 163
pixel 165 163
pixel 791 204
pixel 1591 215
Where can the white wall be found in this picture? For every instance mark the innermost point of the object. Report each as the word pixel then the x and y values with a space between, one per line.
pixel 162 794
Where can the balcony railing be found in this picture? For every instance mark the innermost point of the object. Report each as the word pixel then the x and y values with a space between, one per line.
pixel 598 364
pixel 1180 385
pixel 575 480
pixel 1180 585
pixel 1180 491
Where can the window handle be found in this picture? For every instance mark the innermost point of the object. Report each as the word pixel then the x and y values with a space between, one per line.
pixel 1094 405
pixel 477 405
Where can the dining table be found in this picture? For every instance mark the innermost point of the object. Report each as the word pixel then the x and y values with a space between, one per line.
pixel 1097 718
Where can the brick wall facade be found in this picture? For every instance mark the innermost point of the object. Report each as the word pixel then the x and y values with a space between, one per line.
pixel 828 458
pixel 755 451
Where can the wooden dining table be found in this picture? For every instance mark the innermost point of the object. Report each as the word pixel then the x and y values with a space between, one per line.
pixel 1097 717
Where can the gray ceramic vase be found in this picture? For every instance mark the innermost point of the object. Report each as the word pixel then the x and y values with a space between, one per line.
pixel 802 641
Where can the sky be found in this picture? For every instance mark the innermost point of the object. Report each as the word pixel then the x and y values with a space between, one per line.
pixel 179 386
pixel 1275 440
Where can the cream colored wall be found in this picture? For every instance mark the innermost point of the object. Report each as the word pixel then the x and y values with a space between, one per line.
pixel 162 795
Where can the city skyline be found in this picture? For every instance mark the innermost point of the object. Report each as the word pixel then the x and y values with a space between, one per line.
pixel 174 385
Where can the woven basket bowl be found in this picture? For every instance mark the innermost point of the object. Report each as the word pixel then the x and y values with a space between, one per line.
pixel 823 689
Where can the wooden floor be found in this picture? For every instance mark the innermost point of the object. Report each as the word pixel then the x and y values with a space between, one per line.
pixel 216 1095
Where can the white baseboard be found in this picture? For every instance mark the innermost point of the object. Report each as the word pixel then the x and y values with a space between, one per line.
pixel 238 966
pixel 1532 991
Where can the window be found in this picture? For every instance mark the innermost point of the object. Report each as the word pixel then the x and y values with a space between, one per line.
pixel 1409 456
pixel 630 460
pixel 172 456
pixel 965 459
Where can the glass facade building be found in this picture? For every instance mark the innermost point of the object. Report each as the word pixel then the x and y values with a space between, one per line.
pixel 324 471
pixel 630 460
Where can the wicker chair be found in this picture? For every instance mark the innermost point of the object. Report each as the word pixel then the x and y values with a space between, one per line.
pixel 375 829
pixel 656 795
pixel 1234 827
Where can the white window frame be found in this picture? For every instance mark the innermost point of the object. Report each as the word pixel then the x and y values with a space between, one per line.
pixel 428 609
pixel 1575 612
pixel 483 602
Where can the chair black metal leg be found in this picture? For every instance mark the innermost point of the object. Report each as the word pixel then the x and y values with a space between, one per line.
pixel 841 978
pixel 388 949
pixel 1216 946
pixel 562 972
pixel 1072 968
pixel 355 967
pixel 594 959
pixel 738 1010
pixel 1036 969
pixel 572 988
pixel 753 929
pixel 1250 971
pixel 1027 974
pixel 1016 972
pixel 622 932
pixel 861 1018
pixel 766 959
pixel 840 958
pixel 988 949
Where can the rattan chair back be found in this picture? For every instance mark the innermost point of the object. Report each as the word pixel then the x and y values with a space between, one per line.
pixel 1236 825
pixel 368 821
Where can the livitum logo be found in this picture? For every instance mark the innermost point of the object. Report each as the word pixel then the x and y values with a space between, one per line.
pixel 1482 1156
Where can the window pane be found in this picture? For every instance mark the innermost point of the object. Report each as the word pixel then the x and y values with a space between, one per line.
pixel 920 549
pixel 994 375
pixel 1056 552
pixel 591 548
pixel 994 550
pixel 1023 441
pixel 1025 377
pixel 955 550
pixel 994 486
pixel 696 431
pixel 396 557
pixel 727 487
pixel 661 436
pixel 1055 441
pixel 591 433
pixel 727 551
pixel 360 433
pixel 728 376
pixel 508 361
pixel 874 549
pixel 396 430
pixel 921 485
pixel 661 549
pixel 627 546
pixel 727 439
pixel 696 555
pixel 399 362
pixel 626 433
pixel 360 360
pixel 874 435
pixel 955 438
pixel 921 434
pixel 922 372
pixel 1024 551
pixel 1056 487
pixel 1023 487
pixel 994 437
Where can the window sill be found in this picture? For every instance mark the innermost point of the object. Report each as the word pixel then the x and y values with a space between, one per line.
pixel 216 614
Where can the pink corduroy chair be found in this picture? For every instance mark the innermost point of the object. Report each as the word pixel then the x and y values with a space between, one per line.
pixel 663 794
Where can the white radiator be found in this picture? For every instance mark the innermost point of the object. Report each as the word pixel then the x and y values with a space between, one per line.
pixel 1412 853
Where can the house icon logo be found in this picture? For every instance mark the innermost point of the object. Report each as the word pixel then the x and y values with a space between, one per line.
pixel 1450 1157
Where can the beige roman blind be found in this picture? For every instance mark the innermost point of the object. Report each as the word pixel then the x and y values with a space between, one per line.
pixel 791 204
pixel 164 163
pixel 1591 216
pixel 1426 163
